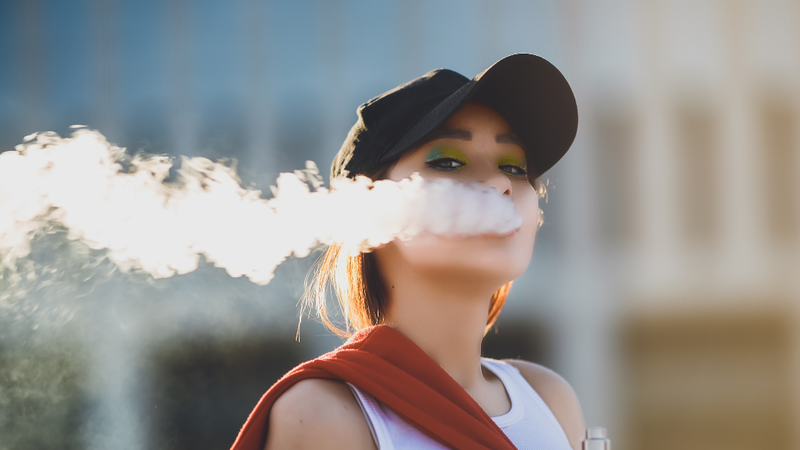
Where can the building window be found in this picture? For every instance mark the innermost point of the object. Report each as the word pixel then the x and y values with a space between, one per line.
pixel 204 389
pixel 709 381
pixel 697 131
pixel 44 397
pixel 614 129
pixel 778 147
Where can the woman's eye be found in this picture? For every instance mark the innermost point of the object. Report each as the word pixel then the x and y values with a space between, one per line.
pixel 445 164
pixel 514 170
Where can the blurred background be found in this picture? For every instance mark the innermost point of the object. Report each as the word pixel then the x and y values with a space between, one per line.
pixel 664 286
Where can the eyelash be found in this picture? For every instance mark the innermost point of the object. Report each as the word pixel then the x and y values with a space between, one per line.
pixel 451 164
pixel 520 171
pixel 438 164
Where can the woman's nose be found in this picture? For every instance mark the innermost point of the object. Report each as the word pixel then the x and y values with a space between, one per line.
pixel 499 182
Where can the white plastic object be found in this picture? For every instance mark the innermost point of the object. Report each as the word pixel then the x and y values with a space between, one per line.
pixel 596 439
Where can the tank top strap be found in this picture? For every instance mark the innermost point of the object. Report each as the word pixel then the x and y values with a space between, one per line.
pixel 521 392
pixel 389 431
pixel 371 409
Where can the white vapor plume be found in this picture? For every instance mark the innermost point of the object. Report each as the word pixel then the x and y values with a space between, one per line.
pixel 145 221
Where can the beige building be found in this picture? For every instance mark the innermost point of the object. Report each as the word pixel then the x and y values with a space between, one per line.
pixel 684 208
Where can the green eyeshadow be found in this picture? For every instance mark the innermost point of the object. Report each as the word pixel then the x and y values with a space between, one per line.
pixel 445 152
pixel 509 160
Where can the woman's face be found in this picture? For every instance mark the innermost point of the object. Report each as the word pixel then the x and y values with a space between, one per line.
pixel 475 145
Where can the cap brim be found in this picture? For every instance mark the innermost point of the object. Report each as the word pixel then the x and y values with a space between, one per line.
pixel 531 94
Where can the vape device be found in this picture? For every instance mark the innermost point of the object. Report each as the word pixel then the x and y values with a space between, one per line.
pixel 596 439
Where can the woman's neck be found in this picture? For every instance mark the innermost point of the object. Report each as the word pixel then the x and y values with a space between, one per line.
pixel 446 319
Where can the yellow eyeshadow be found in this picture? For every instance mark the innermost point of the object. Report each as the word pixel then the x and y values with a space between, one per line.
pixel 446 152
pixel 512 161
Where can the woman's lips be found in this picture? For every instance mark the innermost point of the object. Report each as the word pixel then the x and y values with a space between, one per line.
pixel 482 235
pixel 501 235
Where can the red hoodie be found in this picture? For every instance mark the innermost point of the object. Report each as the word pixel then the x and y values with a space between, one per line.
pixel 394 370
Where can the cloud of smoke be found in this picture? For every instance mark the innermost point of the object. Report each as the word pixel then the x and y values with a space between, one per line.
pixel 146 219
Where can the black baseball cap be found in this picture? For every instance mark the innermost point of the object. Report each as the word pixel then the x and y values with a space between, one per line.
pixel 532 95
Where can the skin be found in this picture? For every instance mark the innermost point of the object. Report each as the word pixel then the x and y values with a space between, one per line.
pixel 439 292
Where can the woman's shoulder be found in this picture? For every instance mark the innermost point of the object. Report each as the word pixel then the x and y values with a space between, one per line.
pixel 557 394
pixel 319 414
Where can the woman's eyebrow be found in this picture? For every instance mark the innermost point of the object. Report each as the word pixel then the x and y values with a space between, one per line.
pixel 454 133
pixel 465 135
pixel 507 138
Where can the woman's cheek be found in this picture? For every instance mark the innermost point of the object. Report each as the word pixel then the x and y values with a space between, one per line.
pixel 528 207
pixel 427 248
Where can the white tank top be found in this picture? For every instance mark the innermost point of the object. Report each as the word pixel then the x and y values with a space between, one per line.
pixel 529 423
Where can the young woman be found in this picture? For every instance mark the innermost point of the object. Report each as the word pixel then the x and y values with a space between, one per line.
pixel 412 375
